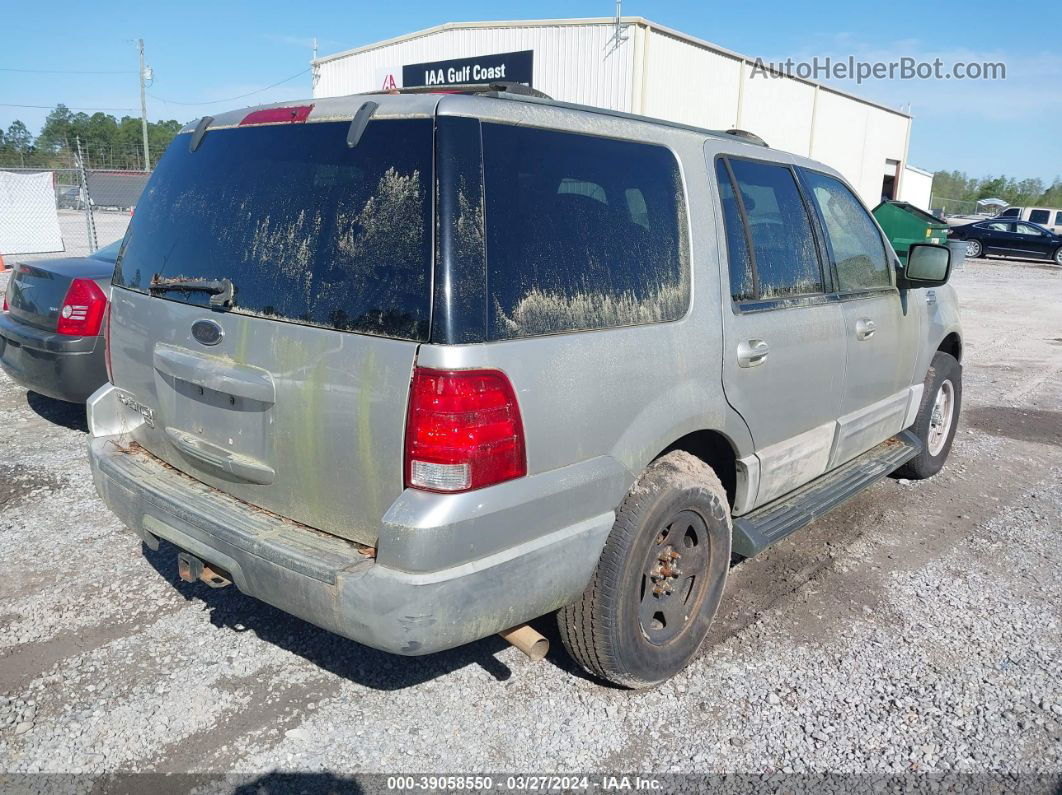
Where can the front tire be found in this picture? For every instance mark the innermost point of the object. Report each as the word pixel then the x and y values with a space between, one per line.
pixel 938 417
pixel 974 249
pixel 659 580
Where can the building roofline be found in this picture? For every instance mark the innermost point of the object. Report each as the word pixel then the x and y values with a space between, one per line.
pixel 640 21
pixel 918 170
pixel 511 23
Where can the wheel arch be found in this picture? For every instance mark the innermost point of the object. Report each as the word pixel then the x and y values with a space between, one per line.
pixel 952 345
pixel 716 450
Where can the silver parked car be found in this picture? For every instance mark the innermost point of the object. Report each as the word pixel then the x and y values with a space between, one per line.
pixel 421 368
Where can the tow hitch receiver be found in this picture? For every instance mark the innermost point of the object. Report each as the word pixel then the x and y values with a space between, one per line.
pixel 192 568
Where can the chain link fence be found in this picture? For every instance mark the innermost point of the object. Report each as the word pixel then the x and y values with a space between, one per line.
pixel 72 209
pixel 946 207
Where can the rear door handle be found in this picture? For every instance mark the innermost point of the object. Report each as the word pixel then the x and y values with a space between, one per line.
pixel 865 328
pixel 752 353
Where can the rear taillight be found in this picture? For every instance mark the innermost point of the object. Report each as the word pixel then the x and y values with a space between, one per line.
pixel 463 430
pixel 107 342
pixel 82 311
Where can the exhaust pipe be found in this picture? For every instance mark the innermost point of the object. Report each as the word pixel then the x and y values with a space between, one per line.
pixel 527 640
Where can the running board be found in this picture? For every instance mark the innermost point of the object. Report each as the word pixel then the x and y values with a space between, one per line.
pixel 757 530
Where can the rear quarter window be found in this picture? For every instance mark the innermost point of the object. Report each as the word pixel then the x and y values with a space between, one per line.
pixel 581 232
pixel 308 229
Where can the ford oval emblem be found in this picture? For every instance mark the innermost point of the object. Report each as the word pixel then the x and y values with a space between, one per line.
pixel 207 332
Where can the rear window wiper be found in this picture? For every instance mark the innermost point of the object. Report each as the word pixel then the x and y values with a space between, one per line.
pixel 221 290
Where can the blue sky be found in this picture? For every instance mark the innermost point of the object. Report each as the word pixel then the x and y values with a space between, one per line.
pixel 203 51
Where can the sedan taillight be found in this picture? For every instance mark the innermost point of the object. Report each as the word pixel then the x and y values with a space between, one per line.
pixel 81 314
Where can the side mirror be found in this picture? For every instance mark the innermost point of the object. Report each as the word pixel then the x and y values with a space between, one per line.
pixel 928 265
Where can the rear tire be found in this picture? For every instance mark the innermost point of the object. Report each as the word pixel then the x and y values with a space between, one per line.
pixel 938 417
pixel 661 575
pixel 1058 256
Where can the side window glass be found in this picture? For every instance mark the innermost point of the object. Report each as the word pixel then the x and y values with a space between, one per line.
pixel 785 259
pixel 1040 216
pixel 1058 218
pixel 858 251
pixel 582 232
pixel 741 282
pixel 1025 229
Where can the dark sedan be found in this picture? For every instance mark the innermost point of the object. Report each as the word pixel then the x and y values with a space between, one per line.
pixel 1008 238
pixel 51 327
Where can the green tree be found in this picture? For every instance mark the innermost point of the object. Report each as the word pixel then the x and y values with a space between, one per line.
pixel 992 187
pixel 1052 197
pixel 106 142
pixel 956 186
pixel 19 140
pixel 55 134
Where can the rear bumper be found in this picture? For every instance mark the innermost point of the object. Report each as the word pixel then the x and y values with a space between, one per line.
pixel 329 581
pixel 56 365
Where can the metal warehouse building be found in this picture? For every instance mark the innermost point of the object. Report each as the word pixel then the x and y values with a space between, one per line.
pixel 637 66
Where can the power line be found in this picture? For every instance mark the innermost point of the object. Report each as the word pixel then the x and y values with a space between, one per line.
pixel 52 107
pixel 65 71
pixel 238 96
pixel 160 99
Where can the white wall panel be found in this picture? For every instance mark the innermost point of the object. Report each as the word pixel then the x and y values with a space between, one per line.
pixel 916 187
pixel 840 137
pixel 778 110
pixel 689 84
pixel 886 139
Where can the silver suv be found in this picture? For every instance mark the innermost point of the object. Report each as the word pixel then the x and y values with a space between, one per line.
pixel 421 368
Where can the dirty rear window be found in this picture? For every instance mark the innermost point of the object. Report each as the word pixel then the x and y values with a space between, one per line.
pixel 582 232
pixel 308 229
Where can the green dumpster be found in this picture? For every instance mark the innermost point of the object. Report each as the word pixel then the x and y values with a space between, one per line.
pixel 905 224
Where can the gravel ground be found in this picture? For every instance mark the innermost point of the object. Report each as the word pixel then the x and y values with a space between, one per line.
pixel 917 628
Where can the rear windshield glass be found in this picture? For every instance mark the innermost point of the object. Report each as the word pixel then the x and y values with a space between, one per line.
pixel 581 232
pixel 307 229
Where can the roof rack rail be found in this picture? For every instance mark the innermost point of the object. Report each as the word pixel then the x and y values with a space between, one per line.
pixel 494 88
pixel 745 135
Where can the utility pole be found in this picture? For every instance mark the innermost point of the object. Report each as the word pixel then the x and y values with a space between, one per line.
pixel 315 73
pixel 143 104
